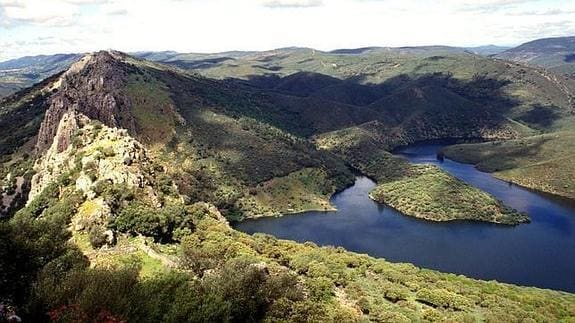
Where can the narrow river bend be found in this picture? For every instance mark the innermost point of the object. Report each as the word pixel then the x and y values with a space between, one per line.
pixel 541 253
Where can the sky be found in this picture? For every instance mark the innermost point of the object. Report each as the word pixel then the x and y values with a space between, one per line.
pixel 32 27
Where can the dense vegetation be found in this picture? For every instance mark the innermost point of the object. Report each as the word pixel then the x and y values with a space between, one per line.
pixel 432 194
pixel 225 275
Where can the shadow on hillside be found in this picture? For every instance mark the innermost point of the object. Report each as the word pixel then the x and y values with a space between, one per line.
pixel 480 88
pixel 430 106
pixel 483 93
pixel 408 108
pixel 486 94
pixel 201 64
pixel 540 116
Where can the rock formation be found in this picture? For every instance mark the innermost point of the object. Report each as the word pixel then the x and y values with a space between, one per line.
pixel 92 86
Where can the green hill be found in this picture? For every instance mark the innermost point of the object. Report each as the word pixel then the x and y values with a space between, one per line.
pixel 556 54
pixel 544 162
pixel 23 72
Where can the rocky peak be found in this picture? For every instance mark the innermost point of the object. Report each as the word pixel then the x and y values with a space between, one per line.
pixel 93 87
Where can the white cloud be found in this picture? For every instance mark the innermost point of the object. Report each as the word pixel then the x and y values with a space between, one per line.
pixel 292 3
pixel 552 12
pixel 219 25
pixel 46 12
pixel 87 1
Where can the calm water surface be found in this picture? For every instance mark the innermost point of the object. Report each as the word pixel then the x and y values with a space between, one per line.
pixel 541 253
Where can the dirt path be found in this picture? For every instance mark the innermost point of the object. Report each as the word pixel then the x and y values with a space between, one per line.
pixel 166 260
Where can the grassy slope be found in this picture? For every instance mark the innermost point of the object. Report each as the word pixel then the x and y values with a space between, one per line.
pixel 300 191
pixel 152 109
pixel 215 151
pixel 542 162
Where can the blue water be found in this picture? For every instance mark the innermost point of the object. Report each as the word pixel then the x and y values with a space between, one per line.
pixel 541 253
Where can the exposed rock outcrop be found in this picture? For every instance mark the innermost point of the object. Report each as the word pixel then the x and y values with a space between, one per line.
pixel 98 153
pixel 92 87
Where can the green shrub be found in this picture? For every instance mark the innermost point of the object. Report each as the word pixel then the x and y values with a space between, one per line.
pixel 160 223
pixel 442 298
pixel 320 289
pixel 97 236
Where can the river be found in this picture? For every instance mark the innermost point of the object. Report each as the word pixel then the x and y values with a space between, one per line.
pixel 541 253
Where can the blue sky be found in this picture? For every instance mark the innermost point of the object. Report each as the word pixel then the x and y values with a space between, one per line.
pixel 31 27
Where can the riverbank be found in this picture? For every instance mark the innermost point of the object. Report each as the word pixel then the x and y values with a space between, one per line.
pixel 543 163
pixel 417 191
pixel 475 249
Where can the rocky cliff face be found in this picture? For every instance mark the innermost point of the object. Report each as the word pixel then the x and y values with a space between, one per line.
pixel 92 87
pixel 99 153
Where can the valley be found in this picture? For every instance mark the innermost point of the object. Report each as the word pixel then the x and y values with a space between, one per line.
pixel 479 250
pixel 140 171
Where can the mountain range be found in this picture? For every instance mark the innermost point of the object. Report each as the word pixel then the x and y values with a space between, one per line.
pixel 25 71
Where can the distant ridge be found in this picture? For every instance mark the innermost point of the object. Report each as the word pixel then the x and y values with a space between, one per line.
pixel 557 54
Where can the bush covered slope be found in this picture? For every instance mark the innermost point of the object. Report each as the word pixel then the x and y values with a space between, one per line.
pixel 543 162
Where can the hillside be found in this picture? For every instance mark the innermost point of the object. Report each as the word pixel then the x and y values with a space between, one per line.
pixel 556 54
pixel 23 72
pixel 210 130
pixel 544 163
pixel 213 128
pixel 519 88
pixel 416 94
pixel 133 169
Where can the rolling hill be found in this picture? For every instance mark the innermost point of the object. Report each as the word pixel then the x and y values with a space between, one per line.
pixel 23 72
pixel 556 54
pixel 217 125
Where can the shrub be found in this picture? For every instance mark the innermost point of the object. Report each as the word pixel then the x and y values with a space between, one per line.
pixel 320 289
pixel 97 236
pixel 113 194
pixel 442 298
pixel 139 218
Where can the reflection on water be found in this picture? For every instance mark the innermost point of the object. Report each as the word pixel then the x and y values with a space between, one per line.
pixel 540 254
